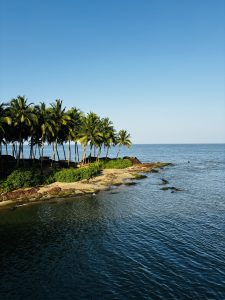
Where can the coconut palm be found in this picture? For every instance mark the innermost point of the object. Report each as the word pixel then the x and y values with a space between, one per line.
pixel 60 118
pixel 73 128
pixel 23 119
pixel 123 139
pixel 46 126
pixel 5 119
pixel 108 133
pixel 90 133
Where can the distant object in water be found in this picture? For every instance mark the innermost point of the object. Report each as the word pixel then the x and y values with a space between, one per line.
pixel 189 162
pixel 164 181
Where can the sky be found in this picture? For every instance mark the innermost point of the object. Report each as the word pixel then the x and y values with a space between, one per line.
pixel 155 67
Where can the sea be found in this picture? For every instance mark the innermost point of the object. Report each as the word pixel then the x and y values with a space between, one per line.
pixel 131 242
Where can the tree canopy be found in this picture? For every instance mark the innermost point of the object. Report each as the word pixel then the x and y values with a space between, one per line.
pixel 21 121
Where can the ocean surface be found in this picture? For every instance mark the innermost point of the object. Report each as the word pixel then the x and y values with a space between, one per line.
pixel 132 242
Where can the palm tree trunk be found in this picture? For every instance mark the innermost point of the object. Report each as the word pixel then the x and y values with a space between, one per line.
pixel 75 152
pixel 13 149
pixel 118 152
pixel 42 154
pixel 64 152
pixel 39 151
pixel 22 150
pixel 69 154
pixel 56 148
pixel 78 156
pixel 19 152
pixel 99 153
pixel 107 152
pixel 6 149
pixel 84 155
pixel 31 149
pixel 35 150
pixel 53 152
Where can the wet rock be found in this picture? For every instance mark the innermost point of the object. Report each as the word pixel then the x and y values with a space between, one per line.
pixel 154 171
pixel 130 183
pixel 172 188
pixel 140 176
pixel 164 181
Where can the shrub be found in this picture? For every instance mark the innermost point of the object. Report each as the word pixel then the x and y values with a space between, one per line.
pixel 119 163
pixel 21 178
pixel 72 175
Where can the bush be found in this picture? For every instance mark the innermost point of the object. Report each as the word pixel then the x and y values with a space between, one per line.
pixel 72 175
pixel 21 178
pixel 118 163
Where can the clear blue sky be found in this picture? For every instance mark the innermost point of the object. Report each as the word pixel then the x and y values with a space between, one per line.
pixel 155 67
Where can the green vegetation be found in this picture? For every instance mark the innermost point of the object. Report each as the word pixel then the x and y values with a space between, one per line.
pixel 72 175
pixel 39 125
pixel 118 163
pixel 21 178
pixel 24 177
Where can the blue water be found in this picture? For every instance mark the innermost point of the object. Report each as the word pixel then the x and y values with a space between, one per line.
pixel 136 242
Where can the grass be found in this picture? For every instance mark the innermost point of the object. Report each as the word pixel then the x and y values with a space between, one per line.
pixel 73 175
pixel 118 163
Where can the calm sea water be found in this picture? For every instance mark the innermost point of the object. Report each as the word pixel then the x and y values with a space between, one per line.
pixel 136 242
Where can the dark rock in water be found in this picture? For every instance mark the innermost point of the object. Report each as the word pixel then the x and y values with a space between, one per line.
pixel 134 160
pixel 164 181
pixel 117 184
pixel 172 188
pixel 154 171
pixel 130 183
pixel 140 176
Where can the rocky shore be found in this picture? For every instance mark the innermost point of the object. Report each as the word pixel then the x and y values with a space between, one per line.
pixel 107 179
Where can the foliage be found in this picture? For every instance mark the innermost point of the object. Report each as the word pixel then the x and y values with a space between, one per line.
pixel 72 174
pixel 118 163
pixel 21 178
pixel 21 121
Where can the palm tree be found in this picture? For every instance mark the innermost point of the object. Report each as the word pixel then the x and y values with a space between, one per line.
pixel 24 118
pixel 108 132
pixel 60 118
pixel 123 139
pixel 5 119
pixel 90 133
pixel 46 126
pixel 73 128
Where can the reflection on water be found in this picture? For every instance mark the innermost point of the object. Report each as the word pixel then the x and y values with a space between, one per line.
pixel 135 242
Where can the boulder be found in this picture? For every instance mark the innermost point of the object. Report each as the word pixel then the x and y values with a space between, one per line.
pixel 134 160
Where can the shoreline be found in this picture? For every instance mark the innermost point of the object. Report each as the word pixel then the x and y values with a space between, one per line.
pixel 103 182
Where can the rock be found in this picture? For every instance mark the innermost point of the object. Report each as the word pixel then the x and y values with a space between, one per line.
pixel 134 160
pixel 130 183
pixel 154 171
pixel 164 181
pixel 172 188
pixel 140 176
pixel 54 191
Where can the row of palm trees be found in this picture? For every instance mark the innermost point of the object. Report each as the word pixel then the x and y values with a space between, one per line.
pixel 39 125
